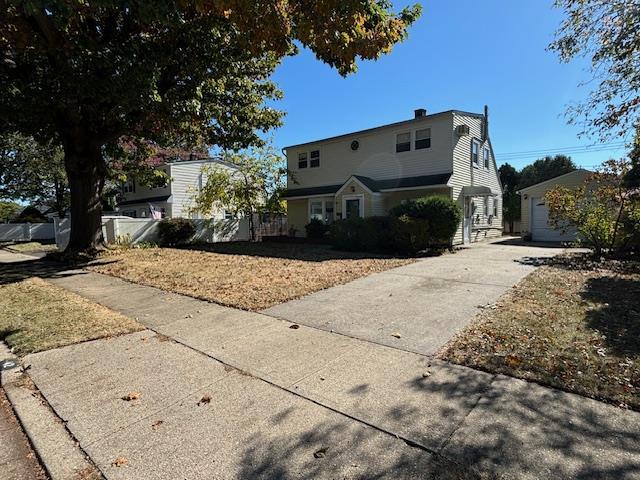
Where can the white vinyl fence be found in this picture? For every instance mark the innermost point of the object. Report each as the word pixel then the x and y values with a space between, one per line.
pixel 140 230
pixel 26 232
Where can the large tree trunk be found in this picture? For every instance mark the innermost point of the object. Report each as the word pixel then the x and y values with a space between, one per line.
pixel 86 171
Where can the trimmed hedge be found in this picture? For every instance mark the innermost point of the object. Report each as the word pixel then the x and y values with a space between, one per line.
pixel 441 214
pixel 316 229
pixel 174 231
pixel 415 225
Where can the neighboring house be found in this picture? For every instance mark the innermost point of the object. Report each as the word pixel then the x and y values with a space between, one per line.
pixel 534 219
pixel 366 173
pixel 172 200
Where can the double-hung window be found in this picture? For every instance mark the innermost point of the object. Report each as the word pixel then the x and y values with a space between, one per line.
pixel 316 210
pixel 485 157
pixel 495 207
pixel 475 152
pixel 129 187
pixel 423 138
pixel 403 142
pixel 302 160
pixel 315 159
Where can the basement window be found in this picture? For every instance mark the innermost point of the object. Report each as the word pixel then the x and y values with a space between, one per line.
pixel 302 160
pixel 403 142
pixel 423 138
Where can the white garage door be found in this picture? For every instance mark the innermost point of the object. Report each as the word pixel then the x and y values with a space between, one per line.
pixel 541 231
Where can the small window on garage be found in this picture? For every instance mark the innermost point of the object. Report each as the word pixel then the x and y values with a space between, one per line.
pixel 403 142
pixel 315 159
pixel 302 160
pixel 423 138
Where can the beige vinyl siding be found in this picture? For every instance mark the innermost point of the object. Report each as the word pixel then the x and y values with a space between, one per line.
pixel 571 180
pixel 298 215
pixel 465 174
pixel 376 156
pixel 391 199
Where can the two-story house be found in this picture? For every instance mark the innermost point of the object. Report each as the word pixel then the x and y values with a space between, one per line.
pixel 366 173
pixel 175 198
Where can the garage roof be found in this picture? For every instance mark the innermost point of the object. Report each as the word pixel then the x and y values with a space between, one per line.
pixel 557 180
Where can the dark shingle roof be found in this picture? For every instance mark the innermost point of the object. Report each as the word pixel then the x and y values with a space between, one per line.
pixel 374 185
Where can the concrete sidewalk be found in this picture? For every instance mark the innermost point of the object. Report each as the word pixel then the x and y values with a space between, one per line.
pixel 425 303
pixel 304 390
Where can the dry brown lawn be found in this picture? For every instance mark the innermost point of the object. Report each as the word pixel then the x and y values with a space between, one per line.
pixel 574 326
pixel 251 276
pixel 36 316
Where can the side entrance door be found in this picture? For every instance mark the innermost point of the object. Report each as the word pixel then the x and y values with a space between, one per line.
pixel 353 207
pixel 466 221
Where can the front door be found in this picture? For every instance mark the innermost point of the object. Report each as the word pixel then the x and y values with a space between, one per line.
pixel 466 221
pixel 352 207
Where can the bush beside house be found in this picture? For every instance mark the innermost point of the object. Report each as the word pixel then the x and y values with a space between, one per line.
pixel 316 229
pixel 414 226
pixel 175 231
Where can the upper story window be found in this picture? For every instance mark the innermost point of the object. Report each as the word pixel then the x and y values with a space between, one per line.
pixel 315 159
pixel 485 157
pixel 423 138
pixel 403 142
pixel 129 187
pixel 475 152
pixel 302 160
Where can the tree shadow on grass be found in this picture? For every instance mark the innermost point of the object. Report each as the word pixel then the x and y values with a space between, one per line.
pixel 307 252
pixel 618 317
pixel 44 268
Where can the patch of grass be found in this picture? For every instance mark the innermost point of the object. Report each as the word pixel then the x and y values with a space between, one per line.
pixel 251 276
pixel 36 316
pixel 33 247
pixel 573 327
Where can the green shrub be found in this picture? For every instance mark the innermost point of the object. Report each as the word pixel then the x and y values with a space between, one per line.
pixel 347 234
pixel 441 217
pixel 403 235
pixel 316 228
pixel 174 231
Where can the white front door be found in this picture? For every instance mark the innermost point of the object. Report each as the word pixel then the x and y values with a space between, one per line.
pixel 466 221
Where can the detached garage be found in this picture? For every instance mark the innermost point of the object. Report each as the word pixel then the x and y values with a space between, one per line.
pixel 535 214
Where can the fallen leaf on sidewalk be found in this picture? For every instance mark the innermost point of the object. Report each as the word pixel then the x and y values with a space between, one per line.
pixel 396 335
pixel 131 396
pixel 120 462
pixel 426 374
pixel 294 327
pixel 205 400
pixel 155 425
pixel 321 452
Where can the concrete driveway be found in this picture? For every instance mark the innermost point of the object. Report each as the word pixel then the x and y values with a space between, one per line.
pixel 424 303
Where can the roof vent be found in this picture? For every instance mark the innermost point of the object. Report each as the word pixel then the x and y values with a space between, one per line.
pixel 420 112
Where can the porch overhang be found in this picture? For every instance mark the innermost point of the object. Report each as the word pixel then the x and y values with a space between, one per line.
pixel 478 191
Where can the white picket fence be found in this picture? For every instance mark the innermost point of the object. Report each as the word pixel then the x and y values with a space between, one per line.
pixel 26 232
pixel 140 230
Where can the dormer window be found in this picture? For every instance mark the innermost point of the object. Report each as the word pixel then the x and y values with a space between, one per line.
pixel 423 138
pixel 302 160
pixel 315 159
pixel 403 142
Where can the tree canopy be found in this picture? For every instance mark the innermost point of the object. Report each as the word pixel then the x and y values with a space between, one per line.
pixel 545 169
pixel 32 171
pixel 606 32
pixel 172 73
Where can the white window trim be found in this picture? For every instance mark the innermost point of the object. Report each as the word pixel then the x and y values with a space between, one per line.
pixel 324 201
pixel 395 140
pixel 319 158
pixel 475 142
pixel 486 166
pixel 415 138
pixel 352 197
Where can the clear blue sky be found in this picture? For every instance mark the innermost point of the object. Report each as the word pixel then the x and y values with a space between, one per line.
pixel 459 55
